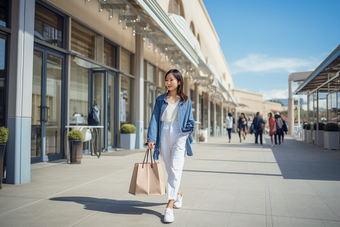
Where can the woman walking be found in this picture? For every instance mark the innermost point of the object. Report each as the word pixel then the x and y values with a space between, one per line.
pixel 272 127
pixel 229 125
pixel 170 130
pixel 242 127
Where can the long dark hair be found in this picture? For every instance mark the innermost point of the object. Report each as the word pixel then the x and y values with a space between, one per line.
pixel 179 78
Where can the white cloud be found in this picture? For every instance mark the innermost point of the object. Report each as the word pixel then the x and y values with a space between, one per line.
pixel 274 94
pixel 263 63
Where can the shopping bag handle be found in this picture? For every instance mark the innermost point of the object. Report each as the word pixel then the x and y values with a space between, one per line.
pixel 146 158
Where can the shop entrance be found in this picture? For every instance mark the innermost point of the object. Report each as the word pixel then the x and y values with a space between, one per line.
pixel 47 105
pixel 103 95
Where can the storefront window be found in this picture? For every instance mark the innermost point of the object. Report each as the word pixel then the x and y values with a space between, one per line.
pixel 110 54
pixel 150 72
pixel 4 13
pixel 125 58
pixel 333 108
pixel 83 41
pixel 48 26
pixel 79 96
pixel 3 47
pixel 125 100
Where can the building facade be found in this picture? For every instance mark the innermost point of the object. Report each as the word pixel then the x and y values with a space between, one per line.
pixel 59 58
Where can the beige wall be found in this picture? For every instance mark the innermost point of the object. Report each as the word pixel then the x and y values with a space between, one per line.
pixel 194 11
pixel 255 103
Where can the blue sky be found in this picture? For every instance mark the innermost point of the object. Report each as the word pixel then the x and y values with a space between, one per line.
pixel 264 41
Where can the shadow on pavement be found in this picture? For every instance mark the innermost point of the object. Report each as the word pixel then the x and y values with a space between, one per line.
pixel 221 160
pixel 129 207
pixel 299 161
pixel 239 173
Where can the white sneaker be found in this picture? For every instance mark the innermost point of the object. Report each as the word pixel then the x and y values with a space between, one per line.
pixel 178 202
pixel 168 215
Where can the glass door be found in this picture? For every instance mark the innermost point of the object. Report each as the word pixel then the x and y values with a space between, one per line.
pixel 103 96
pixel 47 108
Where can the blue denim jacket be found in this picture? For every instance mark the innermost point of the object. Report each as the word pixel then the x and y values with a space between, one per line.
pixel 185 120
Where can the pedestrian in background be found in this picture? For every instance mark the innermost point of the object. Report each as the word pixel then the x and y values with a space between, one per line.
pixel 272 127
pixel 258 125
pixel 242 127
pixel 229 124
pixel 285 130
pixel 279 128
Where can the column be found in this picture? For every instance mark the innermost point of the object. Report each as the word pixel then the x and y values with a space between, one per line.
pixel 317 117
pixel 139 91
pixel 186 87
pixel 290 108
pixel 20 92
pixel 214 126
pixel 235 117
pixel 197 104
pixel 222 129
pixel 209 115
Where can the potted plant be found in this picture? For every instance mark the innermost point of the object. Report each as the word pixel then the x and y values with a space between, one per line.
pixel 308 134
pixel 319 135
pixel 75 138
pixel 331 136
pixel 3 141
pixel 128 137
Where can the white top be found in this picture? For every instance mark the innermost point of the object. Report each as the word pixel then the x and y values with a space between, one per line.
pixel 229 122
pixel 170 113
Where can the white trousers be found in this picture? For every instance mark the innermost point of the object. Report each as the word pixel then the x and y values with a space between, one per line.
pixel 172 151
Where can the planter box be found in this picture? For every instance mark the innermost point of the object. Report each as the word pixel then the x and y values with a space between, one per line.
pixel 309 136
pixel 320 139
pixel 76 150
pixel 2 157
pixel 331 140
pixel 128 141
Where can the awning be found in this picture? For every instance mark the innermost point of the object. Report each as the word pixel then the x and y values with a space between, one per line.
pixel 324 77
pixel 182 25
pixel 217 83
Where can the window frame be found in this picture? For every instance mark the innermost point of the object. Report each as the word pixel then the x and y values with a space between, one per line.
pixel 64 16
pixel 116 52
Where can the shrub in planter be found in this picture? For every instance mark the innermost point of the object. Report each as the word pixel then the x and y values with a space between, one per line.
pixel 321 126
pixel 331 127
pixel 128 129
pixel 75 138
pixel 331 136
pixel 128 137
pixel 307 126
pixel 3 140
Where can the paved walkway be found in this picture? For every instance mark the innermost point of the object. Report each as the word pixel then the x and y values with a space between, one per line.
pixel 237 184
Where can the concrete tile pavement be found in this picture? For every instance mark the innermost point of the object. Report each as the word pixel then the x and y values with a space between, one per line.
pixel 236 184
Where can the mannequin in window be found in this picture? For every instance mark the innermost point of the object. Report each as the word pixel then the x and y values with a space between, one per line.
pixel 94 115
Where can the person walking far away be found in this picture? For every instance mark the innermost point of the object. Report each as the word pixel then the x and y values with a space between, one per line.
pixel 258 126
pixel 242 127
pixel 229 124
pixel 285 130
pixel 279 128
pixel 272 127
pixel 170 131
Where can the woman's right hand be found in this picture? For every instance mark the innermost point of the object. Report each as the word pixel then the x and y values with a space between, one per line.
pixel 151 145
